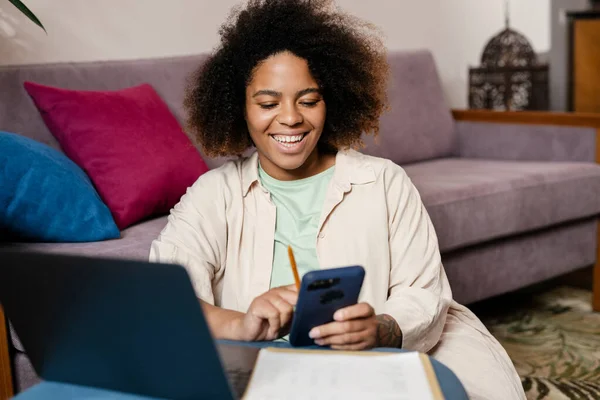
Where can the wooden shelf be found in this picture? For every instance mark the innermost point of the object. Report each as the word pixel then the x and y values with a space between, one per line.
pixel 584 61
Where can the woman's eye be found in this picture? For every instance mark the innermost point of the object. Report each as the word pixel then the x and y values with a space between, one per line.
pixel 267 106
pixel 309 103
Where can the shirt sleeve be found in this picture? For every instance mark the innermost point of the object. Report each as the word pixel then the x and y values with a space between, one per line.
pixel 194 236
pixel 419 292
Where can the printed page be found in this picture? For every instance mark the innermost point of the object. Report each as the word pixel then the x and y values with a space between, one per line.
pixel 302 375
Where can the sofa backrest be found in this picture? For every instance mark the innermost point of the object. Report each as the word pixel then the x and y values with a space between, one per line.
pixel 418 126
pixel 18 113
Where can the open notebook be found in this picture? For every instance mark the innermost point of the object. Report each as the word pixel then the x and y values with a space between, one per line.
pixel 305 374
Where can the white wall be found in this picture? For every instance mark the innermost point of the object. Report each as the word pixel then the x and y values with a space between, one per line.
pixel 86 30
pixel 461 39
pixel 456 31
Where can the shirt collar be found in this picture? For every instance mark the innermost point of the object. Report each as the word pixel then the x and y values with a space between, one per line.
pixel 351 168
pixel 249 172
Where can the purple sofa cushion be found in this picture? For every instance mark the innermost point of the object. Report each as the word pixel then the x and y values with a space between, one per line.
pixel 134 243
pixel 496 141
pixel 419 125
pixel 166 75
pixel 473 201
pixel 505 265
pixel 25 375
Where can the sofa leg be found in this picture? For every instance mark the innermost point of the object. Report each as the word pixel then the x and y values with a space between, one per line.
pixel 596 293
pixel 6 384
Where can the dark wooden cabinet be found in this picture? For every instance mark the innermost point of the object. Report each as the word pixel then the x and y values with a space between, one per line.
pixel 584 61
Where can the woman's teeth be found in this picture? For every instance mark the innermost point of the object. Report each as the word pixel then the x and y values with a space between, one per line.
pixel 288 141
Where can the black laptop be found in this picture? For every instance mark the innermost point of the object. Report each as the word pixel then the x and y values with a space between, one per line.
pixel 129 326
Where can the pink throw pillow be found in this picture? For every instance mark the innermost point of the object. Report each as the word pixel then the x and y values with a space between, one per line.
pixel 127 141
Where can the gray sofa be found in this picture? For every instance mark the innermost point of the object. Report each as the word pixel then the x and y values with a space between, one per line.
pixel 514 197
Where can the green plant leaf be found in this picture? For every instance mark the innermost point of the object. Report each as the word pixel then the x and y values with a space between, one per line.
pixel 23 8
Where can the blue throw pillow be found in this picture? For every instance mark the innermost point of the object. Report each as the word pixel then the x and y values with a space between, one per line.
pixel 46 197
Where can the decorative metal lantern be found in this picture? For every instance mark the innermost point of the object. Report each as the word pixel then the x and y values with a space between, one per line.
pixel 510 77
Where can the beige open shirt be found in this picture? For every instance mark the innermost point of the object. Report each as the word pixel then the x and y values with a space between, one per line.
pixel 223 229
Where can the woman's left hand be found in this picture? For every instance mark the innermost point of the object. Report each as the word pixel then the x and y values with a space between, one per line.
pixel 354 328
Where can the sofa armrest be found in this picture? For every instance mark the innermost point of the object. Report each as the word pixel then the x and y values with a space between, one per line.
pixel 6 383
pixel 531 136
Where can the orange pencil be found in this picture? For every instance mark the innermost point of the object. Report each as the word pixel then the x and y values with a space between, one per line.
pixel 294 268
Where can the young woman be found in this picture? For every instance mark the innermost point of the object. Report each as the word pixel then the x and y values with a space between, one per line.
pixel 301 82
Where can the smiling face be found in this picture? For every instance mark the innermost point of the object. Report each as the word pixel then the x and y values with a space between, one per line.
pixel 285 115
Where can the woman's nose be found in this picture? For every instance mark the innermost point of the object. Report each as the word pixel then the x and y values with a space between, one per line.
pixel 289 115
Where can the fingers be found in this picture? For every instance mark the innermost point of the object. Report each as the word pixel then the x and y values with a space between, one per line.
pixel 285 308
pixel 352 347
pixel 337 328
pixel 291 287
pixel 277 308
pixel 284 299
pixel 363 339
pixel 343 339
pixel 361 310
pixel 289 296
pixel 274 325
pixel 350 319
pixel 354 328
pixel 263 309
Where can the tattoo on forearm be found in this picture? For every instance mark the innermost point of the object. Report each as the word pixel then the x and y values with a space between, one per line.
pixel 388 332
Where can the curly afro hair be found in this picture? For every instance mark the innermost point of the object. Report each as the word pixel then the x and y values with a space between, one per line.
pixel 345 56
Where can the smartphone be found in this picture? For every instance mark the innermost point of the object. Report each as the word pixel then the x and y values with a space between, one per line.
pixel 322 293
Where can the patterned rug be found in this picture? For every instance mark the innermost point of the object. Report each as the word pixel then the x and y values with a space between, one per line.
pixel 553 338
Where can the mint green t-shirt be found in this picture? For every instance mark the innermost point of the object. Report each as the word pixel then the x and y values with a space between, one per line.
pixel 299 204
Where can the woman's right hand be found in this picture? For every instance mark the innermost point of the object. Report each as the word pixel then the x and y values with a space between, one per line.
pixel 269 315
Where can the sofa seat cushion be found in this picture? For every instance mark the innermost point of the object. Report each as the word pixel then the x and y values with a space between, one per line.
pixel 134 244
pixel 473 200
